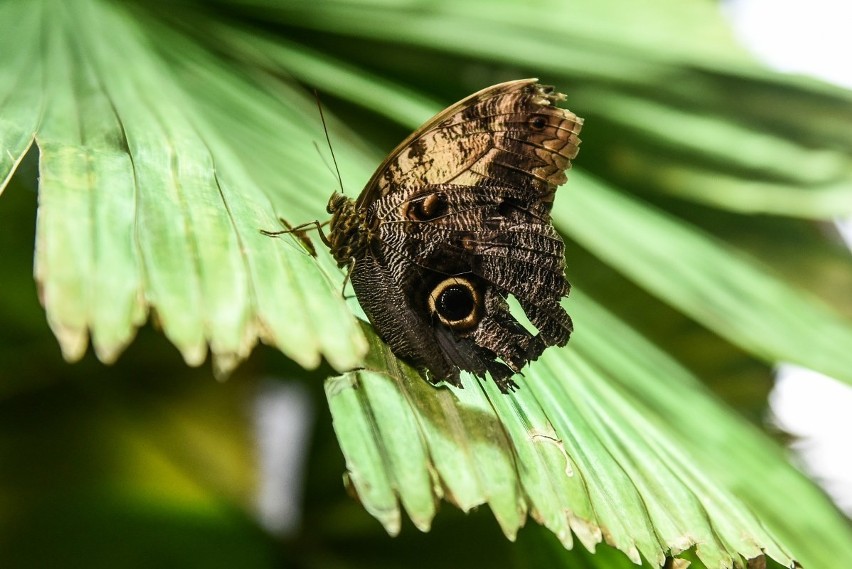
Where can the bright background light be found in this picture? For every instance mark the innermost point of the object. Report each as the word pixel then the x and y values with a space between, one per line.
pixel 798 36
pixel 813 38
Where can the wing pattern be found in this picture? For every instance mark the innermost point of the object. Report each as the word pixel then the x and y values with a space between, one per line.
pixel 455 220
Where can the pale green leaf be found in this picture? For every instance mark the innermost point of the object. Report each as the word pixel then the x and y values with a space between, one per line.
pixel 711 281
pixel 607 439
pixel 21 87
pixel 146 201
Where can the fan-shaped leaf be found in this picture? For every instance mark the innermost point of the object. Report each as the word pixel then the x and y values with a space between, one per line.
pixel 607 438
pixel 168 140
pixel 712 282
pixel 145 204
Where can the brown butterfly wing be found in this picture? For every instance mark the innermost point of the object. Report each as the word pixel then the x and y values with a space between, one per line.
pixel 458 218
pixel 511 132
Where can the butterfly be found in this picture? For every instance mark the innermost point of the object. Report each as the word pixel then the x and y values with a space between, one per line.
pixel 454 221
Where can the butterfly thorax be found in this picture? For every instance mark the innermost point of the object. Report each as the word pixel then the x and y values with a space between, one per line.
pixel 349 234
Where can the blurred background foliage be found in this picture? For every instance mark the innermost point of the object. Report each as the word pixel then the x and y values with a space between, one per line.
pixel 147 462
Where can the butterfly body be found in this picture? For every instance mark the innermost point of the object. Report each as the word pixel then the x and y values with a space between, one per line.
pixel 454 221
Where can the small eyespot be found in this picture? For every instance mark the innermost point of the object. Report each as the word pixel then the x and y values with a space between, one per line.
pixel 538 123
pixel 456 303
pixel 427 208
pixel 511 208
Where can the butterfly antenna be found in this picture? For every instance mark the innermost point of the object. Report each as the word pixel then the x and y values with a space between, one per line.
pixel 328 140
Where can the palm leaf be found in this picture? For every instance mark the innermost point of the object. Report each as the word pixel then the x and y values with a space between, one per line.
pixel 139 208
pixel 169 140
pixel 611 441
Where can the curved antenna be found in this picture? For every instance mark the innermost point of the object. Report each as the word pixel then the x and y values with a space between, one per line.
pixel 328 140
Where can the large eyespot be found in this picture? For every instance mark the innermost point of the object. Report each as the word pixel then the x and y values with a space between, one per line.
pixel 426 208
pixel 456 303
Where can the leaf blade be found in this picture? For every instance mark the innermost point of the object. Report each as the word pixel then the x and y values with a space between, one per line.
pixel 743 303
pixel 611 412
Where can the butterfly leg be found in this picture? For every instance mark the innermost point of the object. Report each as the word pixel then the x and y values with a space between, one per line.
pixel 299 231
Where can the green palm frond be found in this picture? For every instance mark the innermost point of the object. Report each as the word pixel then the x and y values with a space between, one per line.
pixel 170 134
pixel 146 204
pixel 610 441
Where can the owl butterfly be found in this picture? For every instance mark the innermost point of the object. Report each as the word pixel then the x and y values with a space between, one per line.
pixel 454 220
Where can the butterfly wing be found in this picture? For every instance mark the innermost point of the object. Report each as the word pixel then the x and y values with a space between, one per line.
pixel 510 132
pixel 459 219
